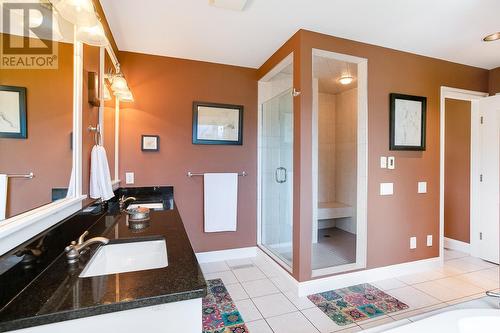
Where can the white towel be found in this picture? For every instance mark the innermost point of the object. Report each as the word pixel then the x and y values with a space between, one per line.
pixel 3 196
pixel 221 201
pixel 100 178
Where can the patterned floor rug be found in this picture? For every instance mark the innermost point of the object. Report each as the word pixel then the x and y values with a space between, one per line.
pixel 220 315
pixel 357 303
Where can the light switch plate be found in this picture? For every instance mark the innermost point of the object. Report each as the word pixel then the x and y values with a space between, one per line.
pixel 429 240
pixel 386 188
pixel 383 162
pixel 391 162
pixel 413 243
pixel 129 178
pixel 422 187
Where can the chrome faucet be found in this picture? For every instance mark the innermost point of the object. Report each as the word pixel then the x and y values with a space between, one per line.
pixel 124 200
pixel 74 250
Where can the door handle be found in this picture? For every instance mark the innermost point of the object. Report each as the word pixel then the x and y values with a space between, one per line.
pixel 280 175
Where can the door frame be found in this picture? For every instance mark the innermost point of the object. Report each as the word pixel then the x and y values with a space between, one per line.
pixel 362 163
pixel 260 101
pixel 471 96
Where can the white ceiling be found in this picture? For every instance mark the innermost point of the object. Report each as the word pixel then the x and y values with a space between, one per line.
pixel 445 29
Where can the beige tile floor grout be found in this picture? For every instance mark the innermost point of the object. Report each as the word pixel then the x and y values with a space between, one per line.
pixel 455 265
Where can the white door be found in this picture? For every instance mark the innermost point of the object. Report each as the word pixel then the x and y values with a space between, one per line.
pixel 489 184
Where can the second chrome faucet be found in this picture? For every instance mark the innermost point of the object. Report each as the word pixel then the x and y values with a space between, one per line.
pixel 75 249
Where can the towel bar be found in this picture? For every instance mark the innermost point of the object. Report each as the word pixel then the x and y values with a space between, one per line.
pixel 192 174
pixel 28 176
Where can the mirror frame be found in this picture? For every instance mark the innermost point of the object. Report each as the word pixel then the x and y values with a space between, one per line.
pixel 109 50
pixel 21 228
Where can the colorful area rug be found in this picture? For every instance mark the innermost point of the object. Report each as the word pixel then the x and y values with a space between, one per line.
pixel 220 315
pixel 357 303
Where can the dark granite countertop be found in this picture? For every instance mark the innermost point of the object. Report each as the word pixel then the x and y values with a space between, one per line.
pixel 58 294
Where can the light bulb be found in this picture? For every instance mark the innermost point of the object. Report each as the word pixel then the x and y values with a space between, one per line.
pixel 125 96
pixel 119 84
pixel 345 80
pixel 94 35
pixel 78 12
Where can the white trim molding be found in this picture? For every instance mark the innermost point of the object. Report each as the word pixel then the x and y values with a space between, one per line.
pixel 326 283
pixel 362 163
pixel 464 95
pixel 23 227
pixel 453 244
pixel 366 276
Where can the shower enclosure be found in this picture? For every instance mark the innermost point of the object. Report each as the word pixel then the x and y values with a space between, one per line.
pixel 322 177
pixel 276 165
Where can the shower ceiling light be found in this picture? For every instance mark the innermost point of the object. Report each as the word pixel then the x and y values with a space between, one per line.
pixel 94 36
pixel 492 37
pixel 78 12
pixel 345 80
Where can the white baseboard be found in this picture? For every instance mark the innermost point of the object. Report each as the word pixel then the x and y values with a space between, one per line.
pixel 327 283
pixel 456 245
pixel 350 279
pixel 243 252
pixel 366 276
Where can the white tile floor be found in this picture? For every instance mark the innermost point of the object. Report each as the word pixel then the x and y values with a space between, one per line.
pixel 267 304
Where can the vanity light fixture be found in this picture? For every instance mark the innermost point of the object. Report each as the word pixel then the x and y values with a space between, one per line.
pixel 107 94
pixel 119 84
pixel 345 80
pixel 94 36
pixel 492 37
pixel 78 12
pixel 125 96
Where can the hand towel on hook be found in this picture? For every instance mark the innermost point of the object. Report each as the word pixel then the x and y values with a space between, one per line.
pixel 100 178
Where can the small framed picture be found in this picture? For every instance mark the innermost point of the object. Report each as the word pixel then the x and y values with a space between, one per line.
pixel 13 112
pixel 217 124
pixel 407 122
pixel 150 143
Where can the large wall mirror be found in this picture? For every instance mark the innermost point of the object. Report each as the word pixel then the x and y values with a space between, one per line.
pixel 46 110
pixel 36 126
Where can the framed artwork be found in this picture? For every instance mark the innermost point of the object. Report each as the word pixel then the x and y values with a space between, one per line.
pixel 150 143
pixel 407 122
pixel 217 124
pixel 13 112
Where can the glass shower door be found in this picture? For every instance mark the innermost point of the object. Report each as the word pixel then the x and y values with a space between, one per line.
pixel 277 176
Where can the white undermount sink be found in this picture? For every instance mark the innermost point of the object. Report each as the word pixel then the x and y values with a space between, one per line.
pixel 152 205
pixel 127 257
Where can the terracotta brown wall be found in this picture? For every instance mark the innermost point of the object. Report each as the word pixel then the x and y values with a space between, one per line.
pixel 46 151
pixel 457 170
pixel 494 84
pixel 164 90
pixel 90 114
pixel 391 220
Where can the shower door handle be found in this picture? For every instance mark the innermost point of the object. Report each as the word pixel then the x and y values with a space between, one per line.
pixel 280 175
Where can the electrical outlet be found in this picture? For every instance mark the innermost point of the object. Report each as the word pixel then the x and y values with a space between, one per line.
pixel 129 178
pixel 429 240
pixel 422 187
pixel 413 243
pixel 383 162
pixel 391 162
pixel 386 188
